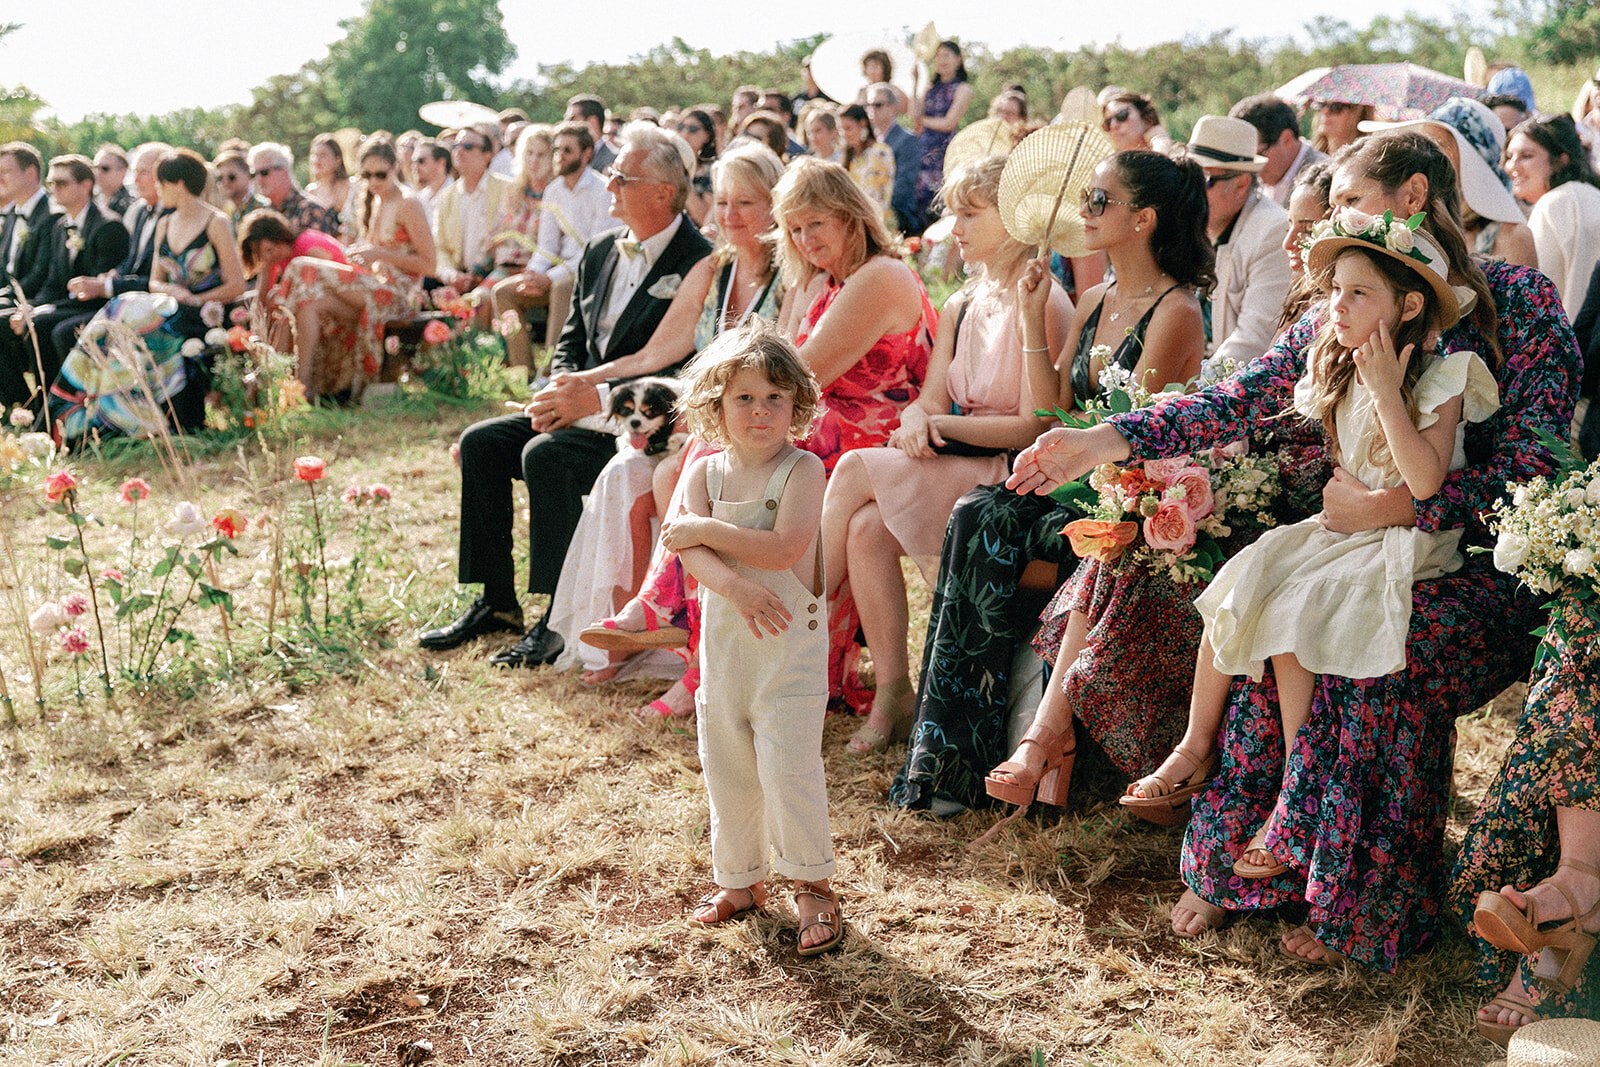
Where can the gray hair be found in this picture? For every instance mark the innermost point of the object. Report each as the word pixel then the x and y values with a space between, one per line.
pixel 883 89
pixel 278 155
pixel 153 149
pixel 668 157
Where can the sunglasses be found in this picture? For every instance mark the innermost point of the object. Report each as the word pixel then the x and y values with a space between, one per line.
pixel 462 146
pixel 1213 180
pixel 690 128
pixel 612 174
pixel 375 175
pixel 1334 107
pixel 1095 201
pixel 1119 116
pixel 263 172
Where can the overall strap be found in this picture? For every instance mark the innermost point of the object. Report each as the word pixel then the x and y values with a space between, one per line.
pixel 780 477
pixel 714 472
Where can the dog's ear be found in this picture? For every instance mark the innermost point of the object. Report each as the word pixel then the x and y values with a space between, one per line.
pixel 621 397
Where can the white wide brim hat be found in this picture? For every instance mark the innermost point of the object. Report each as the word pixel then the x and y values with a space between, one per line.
pixel 1480 188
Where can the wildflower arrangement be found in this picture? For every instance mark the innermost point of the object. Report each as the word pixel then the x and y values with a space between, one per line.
pixel 1397 235
pixel 1170 513
pixel 1549 537
pixel 255 386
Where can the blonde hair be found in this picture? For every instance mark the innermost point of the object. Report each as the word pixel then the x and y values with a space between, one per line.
pixel 756 345
pixel 757 168
pixel 812 184
pixel 977 185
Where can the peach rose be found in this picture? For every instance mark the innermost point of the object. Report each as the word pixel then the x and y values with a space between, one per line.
pixel 1162 470
pixel 1196 484
pixel 1103 541
pixel 309 468
pixel 1170 529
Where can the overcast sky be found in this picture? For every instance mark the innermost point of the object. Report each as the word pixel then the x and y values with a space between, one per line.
pixel 108 55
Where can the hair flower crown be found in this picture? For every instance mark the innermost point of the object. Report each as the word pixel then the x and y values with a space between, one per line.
pixel 1384 230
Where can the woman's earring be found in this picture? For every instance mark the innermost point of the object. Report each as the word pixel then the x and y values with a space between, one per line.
pixel 1138 227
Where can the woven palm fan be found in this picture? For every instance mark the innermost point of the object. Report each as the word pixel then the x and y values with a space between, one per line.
pixel 1475 68
pixel 926 43
pixel 982 139
pixel 1043 182
pixel 1080 105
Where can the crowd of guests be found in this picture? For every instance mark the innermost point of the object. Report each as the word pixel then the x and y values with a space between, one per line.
pixel 766 242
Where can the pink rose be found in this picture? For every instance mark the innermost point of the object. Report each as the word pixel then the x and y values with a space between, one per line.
pixel 111 574
pixel 380 492
pixel 135 490
pixel 436 332
pixel 1162 470
pixel 74 604
pixel 75 640
pixel 391 345
pixel 1232 450
pixel 353 495
pixel 239 316
pixel 1196 484
pixel 59 485
pixel 1170 529
pixel 310 468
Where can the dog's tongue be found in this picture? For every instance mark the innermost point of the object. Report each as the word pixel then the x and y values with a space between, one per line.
pixel 638 440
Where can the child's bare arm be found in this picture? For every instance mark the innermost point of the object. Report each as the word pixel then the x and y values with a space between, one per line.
pixel 777 549
pixel 1421 456
pixel 760 606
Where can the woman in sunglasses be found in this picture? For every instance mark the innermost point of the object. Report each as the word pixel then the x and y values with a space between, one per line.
pixel 1336 123
pixel 337 311
pixel 1131 121
pixel 1148 213
pixel 695 126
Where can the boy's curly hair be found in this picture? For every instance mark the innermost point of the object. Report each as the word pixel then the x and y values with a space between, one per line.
pixel 759 345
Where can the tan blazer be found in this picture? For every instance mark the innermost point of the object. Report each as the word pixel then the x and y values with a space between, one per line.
pixel 447 235
pixel 1252 282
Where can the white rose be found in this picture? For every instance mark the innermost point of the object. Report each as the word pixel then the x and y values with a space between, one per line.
pixel 187 520
pixel 1509 552
pixel 1399 238
pixel 1354 222
pixel 192 348
pixel 216 337
pixel 1574 497
pixel 1591 495
pixel 47 619
pixel 1578 561
pixel 38 445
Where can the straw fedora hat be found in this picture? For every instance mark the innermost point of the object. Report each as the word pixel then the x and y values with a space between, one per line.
pixel 1553 1043
pixel 1350 228
pixel 1225 144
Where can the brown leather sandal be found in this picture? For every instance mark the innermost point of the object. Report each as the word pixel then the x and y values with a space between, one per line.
pixel 1500 1033
pixel 833 920
pixel 1051 785
pixel 1563 950
pixel 723 904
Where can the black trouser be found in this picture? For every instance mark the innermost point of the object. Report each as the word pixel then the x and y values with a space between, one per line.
pixel 558 467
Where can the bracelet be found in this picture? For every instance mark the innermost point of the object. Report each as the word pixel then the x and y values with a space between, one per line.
pixel 1042 348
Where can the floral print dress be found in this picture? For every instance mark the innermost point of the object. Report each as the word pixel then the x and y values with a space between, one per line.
pixel 1359 816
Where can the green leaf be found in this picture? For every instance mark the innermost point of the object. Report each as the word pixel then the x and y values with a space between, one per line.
pixel 57 543
pixel 174 635
pixel 1416 220
pixel 75 518
pixel 162 568
pixel 73 565
pixel 134 604
pixel 210 596
pixel 1078 493
pixel 1119 402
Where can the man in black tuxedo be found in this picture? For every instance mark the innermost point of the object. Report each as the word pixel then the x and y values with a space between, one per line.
pixel 83 240
pixel 25 225
pixel 626 280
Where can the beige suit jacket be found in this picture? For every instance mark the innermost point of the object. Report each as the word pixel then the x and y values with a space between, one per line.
pixel 447 232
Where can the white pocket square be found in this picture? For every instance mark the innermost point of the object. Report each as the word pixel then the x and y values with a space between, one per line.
pixel 666 286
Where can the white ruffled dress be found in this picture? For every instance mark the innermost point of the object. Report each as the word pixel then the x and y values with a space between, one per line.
pixel 1342 602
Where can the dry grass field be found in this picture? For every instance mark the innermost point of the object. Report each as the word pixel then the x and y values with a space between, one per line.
pixel 279 867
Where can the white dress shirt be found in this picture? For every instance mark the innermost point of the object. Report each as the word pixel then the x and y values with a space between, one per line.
pixel 567 220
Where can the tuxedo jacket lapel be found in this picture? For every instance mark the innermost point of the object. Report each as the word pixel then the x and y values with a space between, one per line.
pixel 669 262
pixel 600 296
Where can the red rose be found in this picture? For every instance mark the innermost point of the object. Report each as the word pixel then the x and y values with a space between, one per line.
pixel 59 485
pixel 309 468
pixel 135 490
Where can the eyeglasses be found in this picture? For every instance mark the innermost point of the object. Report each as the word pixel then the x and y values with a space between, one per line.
pixel 1213 180
pixel 612 174
pixel 1095 201
pixel 375 175
pixel 264 171
pixel 1121 115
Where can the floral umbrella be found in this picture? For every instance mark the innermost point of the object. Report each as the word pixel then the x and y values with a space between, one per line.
pixel 1395 90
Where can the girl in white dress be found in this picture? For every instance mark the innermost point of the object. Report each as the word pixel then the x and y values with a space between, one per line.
pixel 1308 598
pixel 749 533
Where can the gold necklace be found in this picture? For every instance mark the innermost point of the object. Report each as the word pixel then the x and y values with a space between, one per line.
pixel 1151 288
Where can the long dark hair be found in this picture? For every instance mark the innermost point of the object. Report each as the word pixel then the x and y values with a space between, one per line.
pixel 380 145
pixel 1558 135
pixel 859 114
pixel 1317 177
pixel 708 151
pixel 1335 371
pixel 961 61
pixel 328 140
pixel 1176 189
pixel 1390 159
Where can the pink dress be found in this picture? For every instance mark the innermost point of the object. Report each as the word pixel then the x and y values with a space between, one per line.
pixel 916 496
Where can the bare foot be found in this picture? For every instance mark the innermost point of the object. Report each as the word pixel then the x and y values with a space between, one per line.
pixel 1550 905
pixel 675 703
pixel 724 904
pixel 1192 916
pixel 1303 945
pixel 1175 769
pixel 601 676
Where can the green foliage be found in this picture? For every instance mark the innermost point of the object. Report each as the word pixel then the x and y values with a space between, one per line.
pixel 1569 32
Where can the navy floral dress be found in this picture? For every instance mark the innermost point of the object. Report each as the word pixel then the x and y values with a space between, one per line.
pixel 1553 762
pixel 1361 813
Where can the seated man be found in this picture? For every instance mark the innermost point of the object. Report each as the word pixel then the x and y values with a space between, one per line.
pixel 111 180
pixel 626 280
pixel 467 208
pixel 576 207
pixel 1278 139
pixel 27 221
pixel 591 111
pixel 233 182
pixel 84 240
pixel 272 166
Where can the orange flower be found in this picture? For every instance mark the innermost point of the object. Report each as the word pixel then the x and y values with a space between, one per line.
pixel 309 468
pixel 1135 481
pixel 59 485
pixel 1103 541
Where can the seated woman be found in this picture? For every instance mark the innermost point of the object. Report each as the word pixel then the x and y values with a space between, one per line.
pixel 330 183
pixel 266 245
pixel 1131 121
pixel 871 165
pixel 515 230
pixel 1359 811
pixel 337 311
pixel 865 327
pixel 1122 635
pixel 696 127
pixel 1550 170
pixel 196 269
pixel 977 404
pixel 766 127
pixel 610 550
pixel 819 122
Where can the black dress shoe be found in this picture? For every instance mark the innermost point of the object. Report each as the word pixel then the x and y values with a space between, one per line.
pixel 478 620
pixel 538 646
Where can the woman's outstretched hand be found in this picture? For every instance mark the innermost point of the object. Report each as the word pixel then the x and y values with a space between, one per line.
pixel 1062 455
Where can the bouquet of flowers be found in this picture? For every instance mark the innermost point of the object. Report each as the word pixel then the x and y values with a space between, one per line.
pixel 1167 513
pixel 1549 537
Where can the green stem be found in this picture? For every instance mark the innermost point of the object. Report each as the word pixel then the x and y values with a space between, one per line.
pixel 94 602
pixel 322 556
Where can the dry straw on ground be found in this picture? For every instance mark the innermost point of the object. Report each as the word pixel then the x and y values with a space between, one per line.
pixel 500 865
